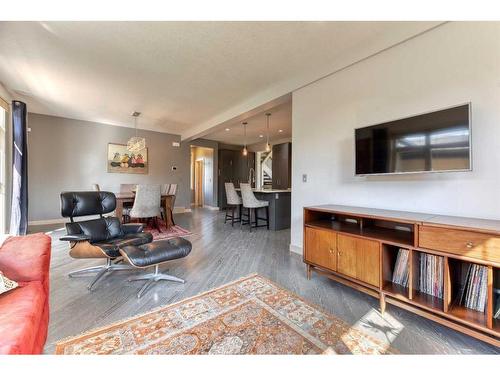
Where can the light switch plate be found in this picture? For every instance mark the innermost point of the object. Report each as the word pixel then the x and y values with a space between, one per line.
pixel 304 178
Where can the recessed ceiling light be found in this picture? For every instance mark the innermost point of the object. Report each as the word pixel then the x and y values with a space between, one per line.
pixel 227 129
pixel 280 131
pixel 261 136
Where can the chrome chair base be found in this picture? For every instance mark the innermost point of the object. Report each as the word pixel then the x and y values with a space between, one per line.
pixel 101 271
pixel 153 278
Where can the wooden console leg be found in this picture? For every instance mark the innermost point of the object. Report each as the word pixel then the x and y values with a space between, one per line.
pixel 308 270
pixel 382 303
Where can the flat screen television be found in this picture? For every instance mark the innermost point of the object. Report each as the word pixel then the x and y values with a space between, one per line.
pixel 432 142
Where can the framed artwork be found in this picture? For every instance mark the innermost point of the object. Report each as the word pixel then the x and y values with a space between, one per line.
pixel 120 160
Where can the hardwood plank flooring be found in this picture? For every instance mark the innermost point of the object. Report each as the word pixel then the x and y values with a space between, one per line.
pixel 222 254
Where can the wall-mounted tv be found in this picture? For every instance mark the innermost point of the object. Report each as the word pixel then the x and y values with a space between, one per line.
pixel 432 142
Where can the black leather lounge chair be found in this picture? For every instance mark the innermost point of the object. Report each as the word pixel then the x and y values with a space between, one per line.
pixel 100 237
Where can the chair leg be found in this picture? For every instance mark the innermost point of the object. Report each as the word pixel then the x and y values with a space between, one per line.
pixel 267 217
pixel 153 278
pixel 225 216
pixel 232 216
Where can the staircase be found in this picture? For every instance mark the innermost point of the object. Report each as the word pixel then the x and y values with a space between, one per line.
pixel 266 161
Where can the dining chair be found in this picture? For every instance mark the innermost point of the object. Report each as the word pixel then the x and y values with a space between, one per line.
pixel 147 204
pixel 164 189
pixel 252 204
pixel 127 206
pixel 127 188
pixel 168 189
pixel 234 202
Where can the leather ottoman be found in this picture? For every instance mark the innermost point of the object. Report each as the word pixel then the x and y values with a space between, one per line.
pixel 154 254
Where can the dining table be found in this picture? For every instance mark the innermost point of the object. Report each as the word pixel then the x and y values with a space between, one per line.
pixel 167 201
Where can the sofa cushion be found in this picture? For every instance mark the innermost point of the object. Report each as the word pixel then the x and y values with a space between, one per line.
pixel 20 314
pixel 26 258
pixel 6 284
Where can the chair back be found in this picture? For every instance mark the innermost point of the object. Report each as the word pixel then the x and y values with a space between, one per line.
pixel 127 188
pixel 147 201
pixel 96 187
pixel 232 196
pixel 171 189
pixel 87 203
pixel 248 196
pixel 164 189
pixel 91 203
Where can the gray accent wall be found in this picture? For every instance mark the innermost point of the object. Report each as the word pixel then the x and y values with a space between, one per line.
pixel 66 154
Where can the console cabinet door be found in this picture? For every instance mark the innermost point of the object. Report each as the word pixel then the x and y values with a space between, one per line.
pixel 347 255
pixel 368 262
pixel 359 258
pixel 320 248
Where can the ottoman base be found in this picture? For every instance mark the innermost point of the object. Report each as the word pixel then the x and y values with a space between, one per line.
pixel 153 278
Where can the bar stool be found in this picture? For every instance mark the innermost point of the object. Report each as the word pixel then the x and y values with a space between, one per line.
pixel 233 201
pixel 253 204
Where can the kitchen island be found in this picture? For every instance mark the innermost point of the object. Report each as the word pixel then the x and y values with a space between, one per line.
pixel 280 202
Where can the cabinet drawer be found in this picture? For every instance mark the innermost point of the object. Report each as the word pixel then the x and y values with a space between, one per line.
pixel 460 242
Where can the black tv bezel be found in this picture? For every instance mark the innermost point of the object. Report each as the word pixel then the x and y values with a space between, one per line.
pixel 469 106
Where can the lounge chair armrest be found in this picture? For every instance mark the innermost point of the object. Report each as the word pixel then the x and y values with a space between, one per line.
pixel 75 237
pixel 132 228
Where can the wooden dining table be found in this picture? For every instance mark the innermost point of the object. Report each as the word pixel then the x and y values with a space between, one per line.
pixel 129 197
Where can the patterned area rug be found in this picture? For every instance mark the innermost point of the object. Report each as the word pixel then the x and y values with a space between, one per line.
pixel 249 316
pixel 174 231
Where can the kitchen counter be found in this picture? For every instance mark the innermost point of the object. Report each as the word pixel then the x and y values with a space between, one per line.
pixel 269 191
pixel 280 201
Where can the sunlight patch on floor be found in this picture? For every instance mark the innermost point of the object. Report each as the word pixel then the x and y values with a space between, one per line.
pixel 385 327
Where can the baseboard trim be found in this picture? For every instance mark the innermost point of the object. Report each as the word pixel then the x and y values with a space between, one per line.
pixel 214 208
pixel 180 210
pixel 176 210
pixel 46 222
pixel 296 249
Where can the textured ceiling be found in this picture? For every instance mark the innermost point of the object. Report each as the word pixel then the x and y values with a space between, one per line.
pixel 185 77
pixel 280 126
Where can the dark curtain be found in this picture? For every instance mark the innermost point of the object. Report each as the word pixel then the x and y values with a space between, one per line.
pixel 19 213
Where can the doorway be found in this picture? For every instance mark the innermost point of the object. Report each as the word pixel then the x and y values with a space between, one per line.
pixel 199 196
pixel 202 176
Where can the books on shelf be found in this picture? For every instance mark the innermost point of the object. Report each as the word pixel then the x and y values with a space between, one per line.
pixel 496 312
pixel 401 269
pixel 431 275
pixel 473 293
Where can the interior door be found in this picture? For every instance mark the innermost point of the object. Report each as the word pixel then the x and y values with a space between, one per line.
pixel 346 255
pixel 198 183
pixel 320 248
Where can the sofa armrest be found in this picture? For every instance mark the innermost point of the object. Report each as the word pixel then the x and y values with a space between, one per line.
pixel 132 228
pixel 75 237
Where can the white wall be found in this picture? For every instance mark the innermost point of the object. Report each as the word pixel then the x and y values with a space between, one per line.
pixel 453 64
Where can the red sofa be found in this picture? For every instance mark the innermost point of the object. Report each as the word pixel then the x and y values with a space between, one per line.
pixel 24 311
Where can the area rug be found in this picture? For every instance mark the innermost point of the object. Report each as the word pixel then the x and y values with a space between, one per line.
pixel 173 231
pixel 249 316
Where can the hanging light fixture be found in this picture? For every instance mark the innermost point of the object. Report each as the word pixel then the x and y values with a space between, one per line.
pixel 268 146
pixel 245 151
pixel 136 144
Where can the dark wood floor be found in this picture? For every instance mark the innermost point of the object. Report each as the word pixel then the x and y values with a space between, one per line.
pixel 222 254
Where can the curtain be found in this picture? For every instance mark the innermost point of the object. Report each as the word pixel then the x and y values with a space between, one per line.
pixel 19 212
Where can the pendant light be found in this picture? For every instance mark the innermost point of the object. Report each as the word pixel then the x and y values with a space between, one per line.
pixel 268 146
pixel 136 144
pixel 245 151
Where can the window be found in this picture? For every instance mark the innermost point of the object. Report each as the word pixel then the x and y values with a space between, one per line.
pixel 4 111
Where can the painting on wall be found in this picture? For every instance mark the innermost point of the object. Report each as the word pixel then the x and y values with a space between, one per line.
pixel 120 160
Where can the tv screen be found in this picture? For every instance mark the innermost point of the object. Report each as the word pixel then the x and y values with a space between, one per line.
pixel 431 142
